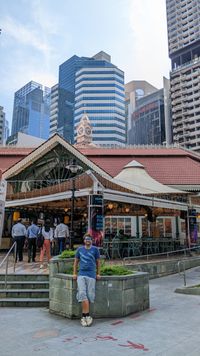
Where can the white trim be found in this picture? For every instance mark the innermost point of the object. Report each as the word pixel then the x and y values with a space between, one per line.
pixel 111 195
pixel 47 198
pixel 46 147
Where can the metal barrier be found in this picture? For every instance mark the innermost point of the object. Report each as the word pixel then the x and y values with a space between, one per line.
pixel 163 254
pixel 13 247
pixel 179 270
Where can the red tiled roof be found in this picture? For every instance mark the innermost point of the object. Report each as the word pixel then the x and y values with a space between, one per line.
pixel 167 165
pixel 10 156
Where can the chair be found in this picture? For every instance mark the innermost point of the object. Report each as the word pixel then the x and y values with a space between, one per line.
pixel 115 251
pixel 106 251
pixel 155 246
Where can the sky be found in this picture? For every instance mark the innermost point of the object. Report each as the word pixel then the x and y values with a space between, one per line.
pixel 38 35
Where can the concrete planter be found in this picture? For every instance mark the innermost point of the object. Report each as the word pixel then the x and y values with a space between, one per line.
pixel 116 296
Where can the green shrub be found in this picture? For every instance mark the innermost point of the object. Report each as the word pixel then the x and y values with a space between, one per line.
pixel 115 271
pixel 67 254
pixel 105 270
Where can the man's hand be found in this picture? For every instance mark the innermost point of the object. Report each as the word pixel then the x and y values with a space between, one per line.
pixel 98 276
pixel 74 277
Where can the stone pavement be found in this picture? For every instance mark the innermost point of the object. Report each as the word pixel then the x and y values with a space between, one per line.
pixel 170 327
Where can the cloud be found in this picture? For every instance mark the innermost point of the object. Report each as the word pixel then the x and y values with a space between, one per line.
pixel 148 49
pixel 25 35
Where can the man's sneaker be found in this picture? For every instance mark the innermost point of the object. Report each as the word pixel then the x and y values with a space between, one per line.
pixel 89 320
pixel 41 266
pixel 83 321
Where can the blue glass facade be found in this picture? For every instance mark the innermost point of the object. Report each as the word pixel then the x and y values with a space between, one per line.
pixel 31 111
pixel 91 93
pixel 105 111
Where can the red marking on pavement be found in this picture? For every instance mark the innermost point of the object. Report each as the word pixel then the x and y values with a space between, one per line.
pixel 117 322
pixel 131 345
pixel 67 339
pixel 135 316
pixel 108 337
pixel 151 310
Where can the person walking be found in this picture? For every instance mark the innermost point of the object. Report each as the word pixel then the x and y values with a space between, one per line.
pixel 32 234
pixel 88 259
pixel 19 234
pixel 62 235
pixel 47 233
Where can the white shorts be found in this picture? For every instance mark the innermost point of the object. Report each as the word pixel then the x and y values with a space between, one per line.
pixel 86 289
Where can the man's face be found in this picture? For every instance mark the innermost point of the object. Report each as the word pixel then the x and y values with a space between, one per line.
pixel 88 241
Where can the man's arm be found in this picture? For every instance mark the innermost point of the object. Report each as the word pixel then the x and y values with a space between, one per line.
pixel 75 267
pixel 98 264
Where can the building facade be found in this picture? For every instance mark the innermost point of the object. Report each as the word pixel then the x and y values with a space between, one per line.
pixel 99 92
pixel 135 90
pixel 183 20
pixel 148 121
pixel 31 110
pixel 2 120
pixel 86 91
pixel 4 126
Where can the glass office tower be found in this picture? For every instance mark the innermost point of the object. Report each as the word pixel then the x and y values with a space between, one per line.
pixel 31 111
pixel 99 92
pixel 71 103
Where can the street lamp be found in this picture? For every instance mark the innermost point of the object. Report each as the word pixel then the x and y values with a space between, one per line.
pixel 73 168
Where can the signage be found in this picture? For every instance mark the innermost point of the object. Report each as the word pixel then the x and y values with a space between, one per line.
pixel 96 218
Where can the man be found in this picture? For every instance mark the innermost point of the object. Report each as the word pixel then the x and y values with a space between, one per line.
pixel 88 258
pixel 32 234
pixel 61 234
pixel 19 235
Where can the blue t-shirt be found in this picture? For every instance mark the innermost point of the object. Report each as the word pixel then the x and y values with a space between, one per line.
pixel 87 259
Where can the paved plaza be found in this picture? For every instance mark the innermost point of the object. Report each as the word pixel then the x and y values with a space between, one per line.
pixel 170 327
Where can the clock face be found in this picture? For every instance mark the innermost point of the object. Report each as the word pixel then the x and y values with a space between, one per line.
pixel 80 130
pixel 88 130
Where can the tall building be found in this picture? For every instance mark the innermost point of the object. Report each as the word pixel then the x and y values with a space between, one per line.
pixel 4 126
pixel 94 86
pixel 183 20
pixel 99 92
pixel 31 111
pixel 2 120
pixel 135 90
pixel 151 119
pixel 6 131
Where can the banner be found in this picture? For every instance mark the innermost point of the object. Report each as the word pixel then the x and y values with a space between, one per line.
pixel 96 218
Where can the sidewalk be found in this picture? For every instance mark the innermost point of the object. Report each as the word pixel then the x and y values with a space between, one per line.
pixel 171 327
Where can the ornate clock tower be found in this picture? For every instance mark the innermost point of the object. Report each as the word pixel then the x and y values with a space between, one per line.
pixel 84 131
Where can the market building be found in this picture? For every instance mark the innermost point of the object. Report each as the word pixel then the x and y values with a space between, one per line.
pixel 111 192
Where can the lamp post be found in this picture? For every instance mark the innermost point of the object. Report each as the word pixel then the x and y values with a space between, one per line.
pixel 73 168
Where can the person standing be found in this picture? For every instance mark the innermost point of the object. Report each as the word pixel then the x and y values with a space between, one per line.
pixel 47 233
pixel 61 234
pixel 32 234
pixel 19 234
pixel 88 259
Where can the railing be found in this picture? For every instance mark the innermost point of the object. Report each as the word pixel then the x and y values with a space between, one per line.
pixel 13 247
pixel 179 270
pixel 162 254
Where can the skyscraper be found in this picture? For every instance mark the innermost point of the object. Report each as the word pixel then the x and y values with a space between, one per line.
pixel 99 92
pixel 4 126
pixel 183 20
pixel 31 111
pixel 94 86
pixel 2 120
